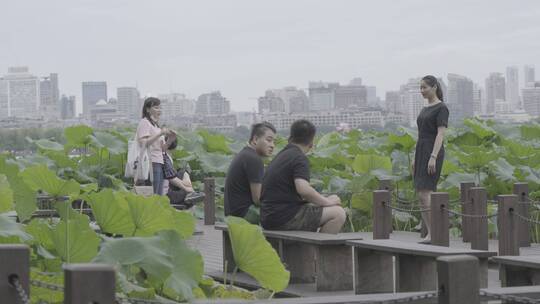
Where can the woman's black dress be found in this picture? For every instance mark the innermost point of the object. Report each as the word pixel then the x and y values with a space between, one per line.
pixel 428 121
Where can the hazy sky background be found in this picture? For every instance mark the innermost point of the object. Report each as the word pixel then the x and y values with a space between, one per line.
pixel 244 47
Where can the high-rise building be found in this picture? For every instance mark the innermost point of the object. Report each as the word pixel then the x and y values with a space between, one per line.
pixel 174 105
pixel 19 93
pixel 92 92
pixel 531 98
pixel 529 76
pixel 49 96
pixel 393 102
pixel 321 95
pixel 412 100
pixel 128 102
pixel 372 99
pixel 495 91
pixel 350 96
pixel 270 103
pixel 460 97
pixel 512 87
pixel 477 99
pixel 212 104
pixel 67 107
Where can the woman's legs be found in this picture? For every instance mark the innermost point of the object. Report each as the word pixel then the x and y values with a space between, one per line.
pixel 425 203
pixel 157 183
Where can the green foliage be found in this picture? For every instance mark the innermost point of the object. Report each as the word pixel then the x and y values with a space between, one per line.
pixel 6 195
pixel 255 256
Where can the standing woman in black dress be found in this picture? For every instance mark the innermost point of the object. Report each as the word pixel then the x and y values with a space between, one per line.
pixel 428 160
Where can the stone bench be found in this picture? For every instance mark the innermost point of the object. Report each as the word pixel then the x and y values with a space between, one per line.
pixel 518 270
pixel 311 257
pixel 415 266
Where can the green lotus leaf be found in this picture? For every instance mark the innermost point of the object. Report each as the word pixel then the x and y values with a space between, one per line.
pixel 403 142
pixel 112 212
pixel 184 223
pixel 215 142
pixel 365 163
pixel 41 178
pixel 480 128
pixel 530 131
pixel 188 266
pixel 78 136
pixel 45 144
pixel 10 228
pixel 214 162
pixel 111 143
pixel 255 256
pixel 6 195
pixel 74 240
pixel 150 214
pixel 39 229
pixel 148 253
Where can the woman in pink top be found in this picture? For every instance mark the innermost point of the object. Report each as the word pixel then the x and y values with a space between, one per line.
pixel 151 137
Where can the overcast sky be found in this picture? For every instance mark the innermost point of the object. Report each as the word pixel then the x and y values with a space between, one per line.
pixel 244 47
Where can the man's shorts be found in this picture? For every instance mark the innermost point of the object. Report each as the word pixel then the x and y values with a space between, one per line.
pixel 308 218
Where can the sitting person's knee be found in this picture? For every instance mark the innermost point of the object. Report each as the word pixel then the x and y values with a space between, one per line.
pixel 341 215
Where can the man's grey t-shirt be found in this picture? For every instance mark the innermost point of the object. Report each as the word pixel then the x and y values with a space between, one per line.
pixel 246 167
pixel 279 199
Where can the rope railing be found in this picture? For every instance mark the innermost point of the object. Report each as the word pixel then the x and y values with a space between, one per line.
pixel 457 213
pixel 21 293
pixel 526 219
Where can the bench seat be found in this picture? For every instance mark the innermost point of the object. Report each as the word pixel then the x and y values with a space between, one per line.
pixel 309 256
pixel 518 270
pixel 414 264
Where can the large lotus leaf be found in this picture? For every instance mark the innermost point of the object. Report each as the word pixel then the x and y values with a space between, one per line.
pixel 476 158
pixel 184 223
pixel 530 131
pixel 337 184
pixel 503 170
pixel 450 167
pixel 148 253
pixel 109 142
pixel 75 241
pixel 454 180
pixel 468 139
pixel 480 128
pixel 24 197
pixel 39 229
pixel 6 195
pixel 361 183
pixel 61 159
pixel 150 214
pixel 112 212
pixel 403 142
pixel 529 174
pixel 188 266
pixel 255 256
pixel 41 178
pixel 45 144
pixel 365 163
pixel 328 139
pixel 215 162
pixel 78 136
pixel 362 201
pixel 215 142
pixel 10 228
pixel 326 151
pixel 34 160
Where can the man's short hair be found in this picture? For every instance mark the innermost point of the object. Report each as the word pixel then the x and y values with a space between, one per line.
pixel 258 129
pixel 302 132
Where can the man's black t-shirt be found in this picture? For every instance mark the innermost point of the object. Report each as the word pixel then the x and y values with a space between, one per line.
pixel 246 167
pixel 279 200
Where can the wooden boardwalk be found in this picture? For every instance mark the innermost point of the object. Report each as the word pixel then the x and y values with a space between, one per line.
pixel 210 245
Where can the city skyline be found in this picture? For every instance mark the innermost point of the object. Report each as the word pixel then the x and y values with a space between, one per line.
pixel 249 47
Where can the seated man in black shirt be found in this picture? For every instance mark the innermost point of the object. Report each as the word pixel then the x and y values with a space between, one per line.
pixel 288 201
pixel 244 177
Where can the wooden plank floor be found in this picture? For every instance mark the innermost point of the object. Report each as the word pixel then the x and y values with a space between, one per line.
pixel 209 243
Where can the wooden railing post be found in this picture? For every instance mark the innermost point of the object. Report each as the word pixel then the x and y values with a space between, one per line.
pixel 89 283
pixel 466 208
pixel 14 264
pixel 440 234
pixel 386 184
pixel 479 235
pixel 508 225
pixel 458 279
pixel 209 201
pixel 381 198
pixel 524 231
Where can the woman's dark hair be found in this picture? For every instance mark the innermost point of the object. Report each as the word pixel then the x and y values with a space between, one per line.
pixel 432 81
pixel 173 143
pixel 258 129
pixel 148 103
pixel 302 132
